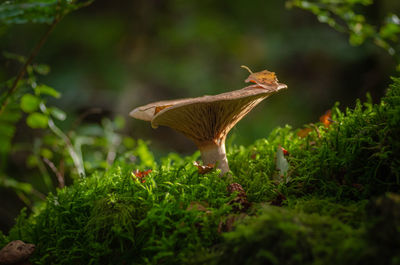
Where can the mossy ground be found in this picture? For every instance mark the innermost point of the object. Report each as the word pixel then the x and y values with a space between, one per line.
pixel 337 204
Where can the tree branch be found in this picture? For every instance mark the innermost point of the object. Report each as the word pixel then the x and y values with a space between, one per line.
pixel 60 178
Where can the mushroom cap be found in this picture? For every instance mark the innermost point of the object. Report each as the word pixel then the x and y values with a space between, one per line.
pixel 148 111
pixel 16 251
pixel 208 119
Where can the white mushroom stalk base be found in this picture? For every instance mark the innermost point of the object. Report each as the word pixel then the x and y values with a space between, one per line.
pixel 212 153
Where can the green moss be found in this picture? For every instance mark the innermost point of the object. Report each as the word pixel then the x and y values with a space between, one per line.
pixel 351 213
pixel 327 215
pixel 383 234
pixel 281 236
pixel 114 218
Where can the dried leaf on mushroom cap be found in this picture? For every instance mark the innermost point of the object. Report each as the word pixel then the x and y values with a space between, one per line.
pixel 264 78
pixel 203 169
pixel 160 108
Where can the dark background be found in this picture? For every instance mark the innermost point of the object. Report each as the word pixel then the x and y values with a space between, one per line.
pixel 117 55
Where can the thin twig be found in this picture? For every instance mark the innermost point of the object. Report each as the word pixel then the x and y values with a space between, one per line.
pixel 76 158
pixel 38 194
pixel 61 168
pixel 37 143
pixel 60 178
pixel 316 129
pixel 22 72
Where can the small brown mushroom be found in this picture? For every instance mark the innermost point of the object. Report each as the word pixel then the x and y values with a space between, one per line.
pixel 16 252
pixel 208 119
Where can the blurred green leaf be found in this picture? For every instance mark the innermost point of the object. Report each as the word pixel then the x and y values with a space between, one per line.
pixel 14 184
pixel 42 69
pixel 144 154
pixel 119 122
pixel 46 153
pixel 390 31
pixel 8 119
pixel 356 39
pixel 37 120
pixel 46 90
pixel 43 11
pixel 32 161
pixel 347 16
pixel 29 103
pixel 128 142
pixel 20 12
pixel 57 113
pixel 14 56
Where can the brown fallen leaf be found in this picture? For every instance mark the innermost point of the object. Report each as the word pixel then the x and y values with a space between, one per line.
pixel 304 132
pixel 203 169
pixel 326 119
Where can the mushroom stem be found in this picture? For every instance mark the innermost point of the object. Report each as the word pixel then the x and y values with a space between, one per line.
pixel 213 153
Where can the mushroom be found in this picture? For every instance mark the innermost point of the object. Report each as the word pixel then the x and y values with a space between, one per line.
pixel 208 119
pixel 16 252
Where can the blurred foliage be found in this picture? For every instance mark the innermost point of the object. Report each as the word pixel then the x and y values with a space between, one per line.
pixel 26 94
pixel 345 16
pixel 44 11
